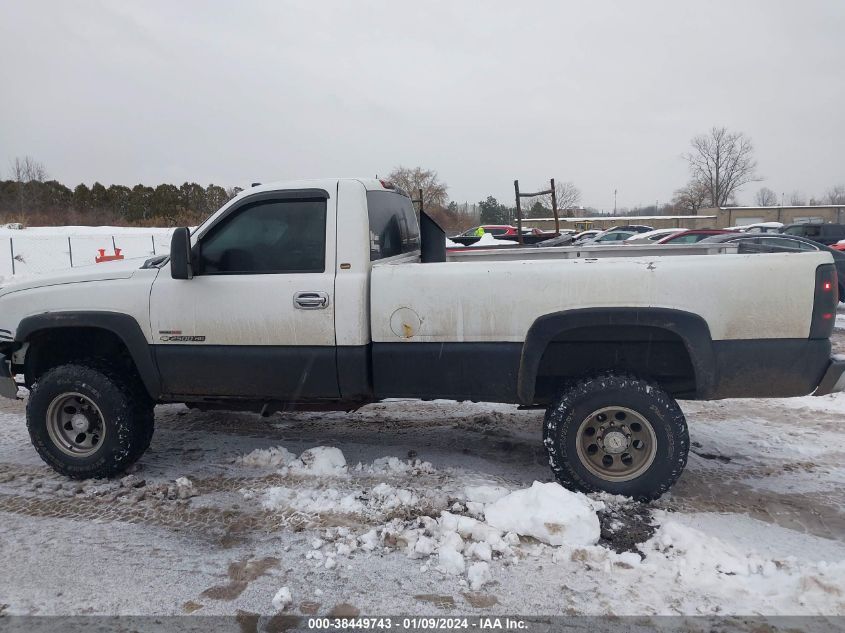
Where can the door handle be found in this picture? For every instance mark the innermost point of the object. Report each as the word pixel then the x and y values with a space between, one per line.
pixel 311 300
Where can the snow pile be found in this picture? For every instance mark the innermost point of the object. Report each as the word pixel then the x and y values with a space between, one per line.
pixel 395 466
pixel 276 456
pixel 548 512
pixel 703 565
pixel 459 545
pixel 312 501
pixel 321 460
pixel 282 600
pixel 488 240
pixel 478 575
pixel 328 460
pixel 453 545
pixel 185 488
pixel 373 503
pixel 476 525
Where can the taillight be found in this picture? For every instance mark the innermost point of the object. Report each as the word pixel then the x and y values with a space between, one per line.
pixel 825 302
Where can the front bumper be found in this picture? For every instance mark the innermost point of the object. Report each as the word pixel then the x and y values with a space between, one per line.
pixel 8 387
pixel 834 377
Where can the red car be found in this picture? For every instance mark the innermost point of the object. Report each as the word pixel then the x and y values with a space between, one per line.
pixel 692 236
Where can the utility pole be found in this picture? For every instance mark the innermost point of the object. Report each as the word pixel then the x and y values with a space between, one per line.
pixel 614 202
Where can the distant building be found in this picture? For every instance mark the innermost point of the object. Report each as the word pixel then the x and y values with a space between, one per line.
pixel 738 216
pixel 711 218
pixel 605 222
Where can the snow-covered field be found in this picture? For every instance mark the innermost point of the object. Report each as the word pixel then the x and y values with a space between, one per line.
pixel 420 508
pixel 46 249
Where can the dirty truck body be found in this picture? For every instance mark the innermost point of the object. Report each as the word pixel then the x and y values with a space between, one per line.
pixel 314 295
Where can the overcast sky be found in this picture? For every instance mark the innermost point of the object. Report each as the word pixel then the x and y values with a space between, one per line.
pixel 603 94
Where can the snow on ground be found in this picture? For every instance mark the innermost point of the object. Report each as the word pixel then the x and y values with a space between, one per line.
pixel 437 507
pixel 38 250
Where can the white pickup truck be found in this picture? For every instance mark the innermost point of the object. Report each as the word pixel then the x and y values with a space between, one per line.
pixel 328 294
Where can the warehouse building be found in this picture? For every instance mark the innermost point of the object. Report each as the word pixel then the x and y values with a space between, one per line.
pixel 738 216
pixel 711 218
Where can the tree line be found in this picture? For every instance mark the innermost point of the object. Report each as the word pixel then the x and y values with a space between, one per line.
pixel 32 199
pixel 720 163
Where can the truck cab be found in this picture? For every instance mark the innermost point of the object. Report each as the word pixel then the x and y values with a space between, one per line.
pixel 277 304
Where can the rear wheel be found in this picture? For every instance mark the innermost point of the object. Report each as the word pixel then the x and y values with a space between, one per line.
pixel 86 422
pixel 617 434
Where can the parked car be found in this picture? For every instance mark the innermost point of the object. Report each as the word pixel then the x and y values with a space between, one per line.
pixel 530 236
pixel 328 295
pixel 568 239
pixel 822 233
pixel 782 243
pixel 652 236
pixel 692 236
pixel 758 227
pixel 496 230
pixel 614 235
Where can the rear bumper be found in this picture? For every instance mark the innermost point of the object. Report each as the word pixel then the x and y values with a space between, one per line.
pixel 8 387
pixel 834 378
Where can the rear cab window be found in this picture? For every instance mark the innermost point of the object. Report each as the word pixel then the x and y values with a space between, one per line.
pixel 394 229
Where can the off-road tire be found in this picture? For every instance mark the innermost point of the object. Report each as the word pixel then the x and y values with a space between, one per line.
pixel 144 405
pixel 127 415
pixel 585 396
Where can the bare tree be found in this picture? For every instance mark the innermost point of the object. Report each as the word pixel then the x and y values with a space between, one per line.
pixel 766 197
pixel 691 197
pixel 567 197
pixel 797 199
pixel 411 180
pixel 25 170
pixel 722 161
pixel 835 195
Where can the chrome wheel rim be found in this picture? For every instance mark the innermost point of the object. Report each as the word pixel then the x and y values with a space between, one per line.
pixel 616 443
pixel 75 424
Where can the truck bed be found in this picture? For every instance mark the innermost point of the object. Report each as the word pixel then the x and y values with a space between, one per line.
pixel 463 298
pixel 509 253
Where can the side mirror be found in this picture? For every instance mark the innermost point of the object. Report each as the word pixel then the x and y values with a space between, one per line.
pixel 180 254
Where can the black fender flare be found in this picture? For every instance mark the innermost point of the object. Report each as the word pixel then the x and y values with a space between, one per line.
pixel 691 328
pixel 125 327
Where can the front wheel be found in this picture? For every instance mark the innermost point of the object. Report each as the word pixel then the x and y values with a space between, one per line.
pixel 617 434
pixel 86 422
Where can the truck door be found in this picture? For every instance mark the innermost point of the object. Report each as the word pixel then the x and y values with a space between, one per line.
pixel 257 319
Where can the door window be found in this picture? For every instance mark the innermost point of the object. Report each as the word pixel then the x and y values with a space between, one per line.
pixel 274 236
